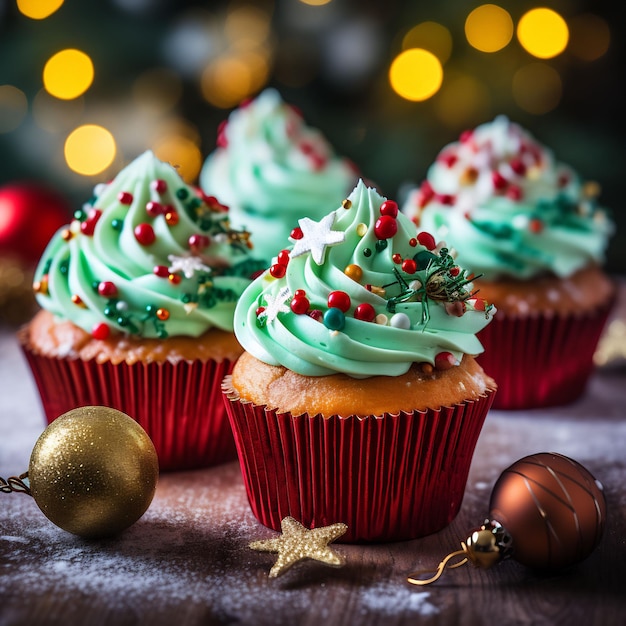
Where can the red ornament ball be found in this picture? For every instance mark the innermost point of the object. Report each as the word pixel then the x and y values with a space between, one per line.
pixel 552 507
pixel 365 312
pixel 29 215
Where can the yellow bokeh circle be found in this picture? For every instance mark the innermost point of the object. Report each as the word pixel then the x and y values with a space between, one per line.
pixel 182 153
pixel 68 74
pixel 489 28
pixel 89 149
pixel 537 88
pixel 38 9
pixel 416 74
pixel 430 36
pixel 543 33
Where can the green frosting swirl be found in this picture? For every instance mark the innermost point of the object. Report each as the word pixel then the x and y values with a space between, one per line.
pixel 147 256
pixel 271 169
pixel 359 294
pixel 501 201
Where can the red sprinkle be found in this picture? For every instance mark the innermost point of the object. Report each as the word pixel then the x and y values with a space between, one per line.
pixel 299 304
pixel 365 312
pixel 499 182
pixel 259 310
pixel 426 194
pixel 466 135
pixel 535 226
pixel 316 314
pixel 159 185
pixel 283 257
pixel 479 304
pixel 563 180
pixel 454 271
pixel 339 300
pixel 389 207
pixel 444 198
pixel 427 240
pixel 154 208
pixel 125 197
pixel 385 227
pixel 397 258
pixel 100 331
pixel 409 266
pixel 161 271
pixel 199 242
pixel 174 278
pixel 517 165
pixel 278 270
pixel 448 159
pixel 445 360
pixel 299 292
pixel 222 142
pixel 297 233
pixel 413 242
pixel 107 289
pixel 144 234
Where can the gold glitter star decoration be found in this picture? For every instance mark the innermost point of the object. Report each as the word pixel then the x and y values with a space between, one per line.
pixel 298 543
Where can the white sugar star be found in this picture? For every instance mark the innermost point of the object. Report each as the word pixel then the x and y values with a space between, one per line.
pixel 316 236
pixel 187 264
pixel 276 304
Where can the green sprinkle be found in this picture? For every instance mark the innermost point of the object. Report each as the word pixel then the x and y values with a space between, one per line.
pixel 117 224
pixel 182 193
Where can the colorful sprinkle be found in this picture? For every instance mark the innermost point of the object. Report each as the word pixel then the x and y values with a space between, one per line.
pixel 385 227
pixel 100 331
pixel 297 233
pixel 299 303
pixel 162 314
pixel 278 270
pixel 445 361
pixel 334 319
pixel 159 185
pixel 400 320
pixel 427 240
pixel 162 271
pixel 409 266
pixel 171 216
pixel 107 289
pixel 365 312
pixel 361 229
pixel 354 271
pixel 198 242
pixel 144 234
pixel 154 208
pixel 389 207
pixel 346 204
pixel 340 300
pixel 124 197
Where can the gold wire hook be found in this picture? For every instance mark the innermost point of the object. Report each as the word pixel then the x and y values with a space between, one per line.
pixel 416 578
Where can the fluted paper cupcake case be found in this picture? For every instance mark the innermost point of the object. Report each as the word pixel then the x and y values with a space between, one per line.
pixel 179 405
pixel 389 478
pixel 541 360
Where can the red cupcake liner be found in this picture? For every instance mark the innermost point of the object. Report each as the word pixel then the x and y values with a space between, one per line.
pixel 179 405
pixel 541 360
pixel 389 478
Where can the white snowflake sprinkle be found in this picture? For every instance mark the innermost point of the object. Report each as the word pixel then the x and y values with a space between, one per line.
pixel 275 305
pixel 188 265
pixel 316 236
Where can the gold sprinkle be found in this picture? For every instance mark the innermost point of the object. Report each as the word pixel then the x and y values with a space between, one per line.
pixel 469 176
pixel 427 368
pixel 346 204
pixel 76 299
pixel 361 229
pixel 66 234
pixel 354 272
pixel 379 291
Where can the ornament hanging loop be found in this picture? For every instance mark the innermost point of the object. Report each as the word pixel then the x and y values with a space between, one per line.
pixel 15 484
pixel 417 578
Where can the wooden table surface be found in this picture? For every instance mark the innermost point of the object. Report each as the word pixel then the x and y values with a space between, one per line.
pixel 187 560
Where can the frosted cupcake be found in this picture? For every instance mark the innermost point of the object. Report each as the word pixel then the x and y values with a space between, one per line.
pixel 536 236
pixel 138 295
pixel 271 169
pixel 357 398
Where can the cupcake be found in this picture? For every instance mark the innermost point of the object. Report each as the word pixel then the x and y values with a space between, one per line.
pixel 535 236
pixel 137 298
pixel 358 399
pixel 270 168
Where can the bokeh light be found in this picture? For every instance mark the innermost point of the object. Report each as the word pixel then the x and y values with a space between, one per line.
pixel 38 9
pixel 13 108
pixel 489 28
pixel 430 36
pixel 54 115
pixel 315 3
pixel 416 74
pixel 89 149
pixel 543 33
pixel 537 88
pixel 247 27
pixel 231 78
pixel 463 101
pixel 182 153
pixel 590 36
pixel 68 74
pixel 157 90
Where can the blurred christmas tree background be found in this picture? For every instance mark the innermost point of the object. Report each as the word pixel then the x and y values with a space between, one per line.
pixel 87 86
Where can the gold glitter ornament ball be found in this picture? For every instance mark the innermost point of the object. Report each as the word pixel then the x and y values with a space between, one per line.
pixel 93 471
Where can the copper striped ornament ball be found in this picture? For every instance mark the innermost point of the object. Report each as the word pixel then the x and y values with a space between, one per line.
pixel 552 507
